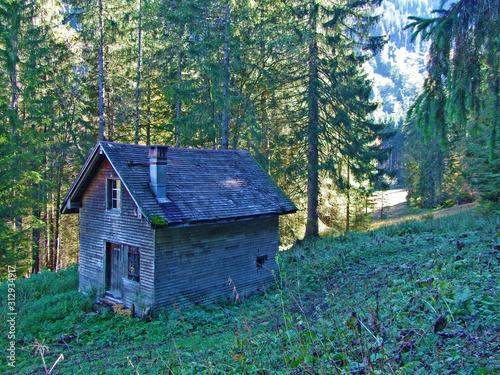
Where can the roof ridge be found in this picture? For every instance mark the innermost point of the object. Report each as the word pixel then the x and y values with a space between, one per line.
pixel 204 149
pixel 121 144
pixel 190 149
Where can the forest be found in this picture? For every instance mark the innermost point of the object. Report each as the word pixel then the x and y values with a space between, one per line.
pixel 335 100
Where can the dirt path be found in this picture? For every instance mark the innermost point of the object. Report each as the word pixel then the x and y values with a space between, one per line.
pixel 394 209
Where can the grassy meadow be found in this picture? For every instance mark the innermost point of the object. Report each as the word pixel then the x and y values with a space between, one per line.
pixel 419 297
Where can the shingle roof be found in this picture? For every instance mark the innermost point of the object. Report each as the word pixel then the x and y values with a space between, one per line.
pixel 202 185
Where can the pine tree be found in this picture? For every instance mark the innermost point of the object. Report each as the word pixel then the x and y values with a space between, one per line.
pixel 462 91
pixel 425 168
pixel 36 135
pixel 335 100
pixel 138 79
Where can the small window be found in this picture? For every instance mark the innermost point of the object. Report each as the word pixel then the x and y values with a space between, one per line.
pixel 134 263
pixel 261 260
pixel 114 194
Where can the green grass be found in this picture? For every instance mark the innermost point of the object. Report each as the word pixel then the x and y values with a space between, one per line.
pixel 362 303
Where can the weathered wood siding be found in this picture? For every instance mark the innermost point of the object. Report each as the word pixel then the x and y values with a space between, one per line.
pixel 194 264
pixel 99 225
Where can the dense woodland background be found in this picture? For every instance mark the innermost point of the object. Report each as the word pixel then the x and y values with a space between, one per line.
pixel 334 100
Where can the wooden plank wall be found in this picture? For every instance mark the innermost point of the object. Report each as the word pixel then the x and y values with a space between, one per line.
pixel 193 264
pixel 98 225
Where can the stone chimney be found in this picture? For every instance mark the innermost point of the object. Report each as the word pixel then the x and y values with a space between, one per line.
pixel 158 172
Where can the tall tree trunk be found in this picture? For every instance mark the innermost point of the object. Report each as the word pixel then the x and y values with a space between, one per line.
pixel 13 65
pixel 13 56
pixel 110 115
pixel 148 122
pixel 73 135
pixel 37 214
pixel 225 85
pixel 210 104
pixel 57 257
pixel 52 249
pixel 178 104
pixel 137 89
pixel 264 144
pixel 13 89
pixel 70 120
pixel 312 230
pixel 102 123
pixel 48 237
pixel 496 92
pixel 36 236
pixel 348 199
pixel 35 245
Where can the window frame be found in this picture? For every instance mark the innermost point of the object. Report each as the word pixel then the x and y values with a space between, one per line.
pixel 134 252
pixel 113 185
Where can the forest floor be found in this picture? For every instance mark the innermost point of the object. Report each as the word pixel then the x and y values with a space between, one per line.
pixel 394 209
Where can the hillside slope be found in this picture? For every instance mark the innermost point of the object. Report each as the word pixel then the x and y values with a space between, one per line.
pixel 418 297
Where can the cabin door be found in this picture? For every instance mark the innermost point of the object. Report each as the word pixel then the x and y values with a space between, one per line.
pixel 114 270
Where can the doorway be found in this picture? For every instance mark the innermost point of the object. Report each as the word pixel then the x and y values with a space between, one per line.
pixel 114 270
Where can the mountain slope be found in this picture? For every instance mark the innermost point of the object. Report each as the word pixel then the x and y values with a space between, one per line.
pixel 418 297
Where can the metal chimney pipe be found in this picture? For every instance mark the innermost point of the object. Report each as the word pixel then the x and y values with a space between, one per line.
pixel 158 172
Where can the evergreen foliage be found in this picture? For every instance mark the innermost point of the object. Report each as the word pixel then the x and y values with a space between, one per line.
pixel 461 95
pixel 214 74
pixel 425 164
pixel 287 81
pixel 34 138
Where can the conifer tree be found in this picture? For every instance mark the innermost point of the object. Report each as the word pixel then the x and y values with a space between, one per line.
pixel 336 40
pixel 29 130
pixel 462 91
pixel 138 79
pixel 425 168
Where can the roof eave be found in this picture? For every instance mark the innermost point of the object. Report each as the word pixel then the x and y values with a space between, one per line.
pixel 72 206
pixel 124 182
pixel 224 220
pixel 69 206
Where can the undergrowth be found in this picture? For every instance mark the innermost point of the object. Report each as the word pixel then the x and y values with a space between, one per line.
pixel 421 297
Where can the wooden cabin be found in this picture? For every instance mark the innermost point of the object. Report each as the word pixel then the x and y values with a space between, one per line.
pixel 161 226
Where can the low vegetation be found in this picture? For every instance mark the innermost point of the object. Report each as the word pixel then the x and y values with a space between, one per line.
pixel 420 297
